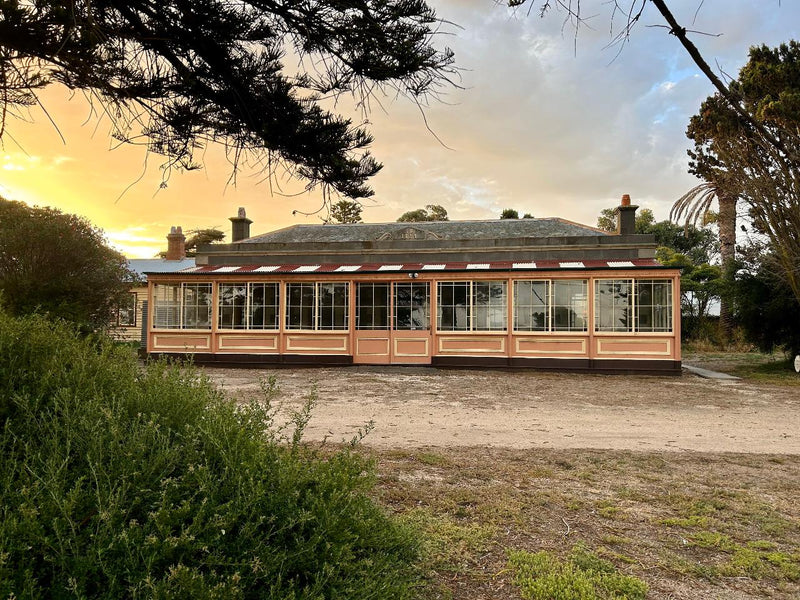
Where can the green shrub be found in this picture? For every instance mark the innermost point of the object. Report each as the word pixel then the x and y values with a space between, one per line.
pixel 118 480
pixel 583 576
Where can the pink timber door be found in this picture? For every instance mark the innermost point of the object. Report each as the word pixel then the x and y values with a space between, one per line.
pixel 392 323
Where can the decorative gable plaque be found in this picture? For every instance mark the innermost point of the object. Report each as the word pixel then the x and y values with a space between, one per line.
pixel 409 233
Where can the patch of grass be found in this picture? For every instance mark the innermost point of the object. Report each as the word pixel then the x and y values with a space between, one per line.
pixel 432 459
pixel 583 576
pixel 607 509
pixel 712 539
pixel 774 371
pixel 695 521
pixel 615 540
pixel 755 560
pixel 448 545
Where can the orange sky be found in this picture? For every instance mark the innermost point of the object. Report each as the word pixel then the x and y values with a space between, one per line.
pixel 535 126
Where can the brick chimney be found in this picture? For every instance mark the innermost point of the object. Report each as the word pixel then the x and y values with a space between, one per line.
pixel 626 216
pixel 176 244
pixel 241 226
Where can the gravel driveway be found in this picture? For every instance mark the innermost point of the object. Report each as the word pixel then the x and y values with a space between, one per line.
pixel 414 407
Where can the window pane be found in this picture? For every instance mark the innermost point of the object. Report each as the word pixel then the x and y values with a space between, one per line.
pixel 490 305
pixel 613 300
pixel 232 304
pixel 372 306
pixel 264 300
pixel 654 305
pixel 126 312
pixel 333 306
pixel 570 309
pixel 300 305
pixel 531 306
pixel 411 305
pixel 453 306
pixel 167 306
pixel 197 306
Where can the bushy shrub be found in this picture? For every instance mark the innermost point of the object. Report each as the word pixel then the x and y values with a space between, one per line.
pixel 118 480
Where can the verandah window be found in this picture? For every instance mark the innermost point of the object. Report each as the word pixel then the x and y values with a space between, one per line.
pixel 653 302
pixel 248 305
pixel 471 306
pixel 372 305
pixel 627 305
pixel 412 306
pixel 550 305
pixel 182 306
pixel 317 306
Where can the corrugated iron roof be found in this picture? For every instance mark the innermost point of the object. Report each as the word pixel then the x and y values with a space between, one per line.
pixel 142 266
pixel 539 265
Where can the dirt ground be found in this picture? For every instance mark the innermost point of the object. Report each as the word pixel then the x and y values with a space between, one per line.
pixel 689 484
pixel 449 408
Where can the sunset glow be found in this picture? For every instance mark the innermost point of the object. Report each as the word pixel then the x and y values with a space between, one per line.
pixel 537 127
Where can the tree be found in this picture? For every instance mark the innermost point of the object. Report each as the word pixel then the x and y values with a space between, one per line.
pixel 731 150
pixel 199 237
pixel 701 284
pixel 698 244
pixel 58 264
pixel 432 212
pixel 695 206
pixel 346 211
pixel 178 74
pixel 766 309
pixel 509 213
pixel 527 216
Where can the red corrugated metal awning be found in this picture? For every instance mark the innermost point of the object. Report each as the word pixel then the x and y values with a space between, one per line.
pixel 388 268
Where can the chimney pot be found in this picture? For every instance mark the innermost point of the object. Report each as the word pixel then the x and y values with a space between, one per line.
pixel 176 244
pixel 626 216
pixel 240 229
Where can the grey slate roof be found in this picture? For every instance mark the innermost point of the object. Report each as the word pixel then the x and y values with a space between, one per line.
pixel 444 230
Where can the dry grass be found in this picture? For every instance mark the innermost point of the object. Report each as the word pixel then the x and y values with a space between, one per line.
pixel 689 525
pixel 757 367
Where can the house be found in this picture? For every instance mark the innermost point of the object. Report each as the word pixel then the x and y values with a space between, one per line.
pixel 535 293
pixel 128 320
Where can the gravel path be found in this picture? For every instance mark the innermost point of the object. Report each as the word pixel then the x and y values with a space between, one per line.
pixel 414 407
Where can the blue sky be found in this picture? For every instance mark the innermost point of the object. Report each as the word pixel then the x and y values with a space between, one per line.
pixel 541 123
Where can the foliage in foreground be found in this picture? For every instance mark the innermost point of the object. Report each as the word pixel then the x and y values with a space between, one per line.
pixel 583 576
pixel 122 481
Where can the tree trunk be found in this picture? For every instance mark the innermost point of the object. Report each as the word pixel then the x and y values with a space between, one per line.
pixel 727 242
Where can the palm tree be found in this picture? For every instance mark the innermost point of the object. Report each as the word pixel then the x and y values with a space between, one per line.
pixel 692 208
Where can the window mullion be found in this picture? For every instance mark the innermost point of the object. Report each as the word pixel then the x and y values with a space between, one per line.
pixel 181 320
pixel 471 306
pixel 316 319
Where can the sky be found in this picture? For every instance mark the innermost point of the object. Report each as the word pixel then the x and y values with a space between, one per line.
pixel 542 122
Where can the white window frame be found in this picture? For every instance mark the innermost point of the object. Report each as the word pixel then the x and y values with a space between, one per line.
pixel 249 306
pixel 181 305
pixel 316 307
pixel 634 306
pixel 471 307
pixel 550 307
pixel 359 305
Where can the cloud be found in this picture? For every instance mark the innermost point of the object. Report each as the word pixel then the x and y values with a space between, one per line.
pixel 542 123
